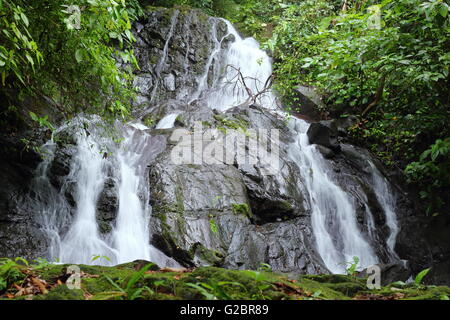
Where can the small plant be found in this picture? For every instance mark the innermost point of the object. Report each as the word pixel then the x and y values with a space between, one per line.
pixel 158 283
pixel 262 282
pixel 419 278
pixel 10 271
pixel 240 208
pixel 351 266
pixel 127 290
pixel 43 121
pixel 41 263
pixel 215 290
pixel 315 295
pixel 96 257
pixel 213 226
pixel 265 267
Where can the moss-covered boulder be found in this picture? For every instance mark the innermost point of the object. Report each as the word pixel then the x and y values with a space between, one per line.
pixel 144 280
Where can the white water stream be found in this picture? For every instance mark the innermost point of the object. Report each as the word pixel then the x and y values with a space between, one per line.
pixel 97 159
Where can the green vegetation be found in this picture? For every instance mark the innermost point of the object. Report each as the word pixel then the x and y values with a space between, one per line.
pixel 385 61
pixel 352 266
pixel 139 280
pixel 419 278
pixel 241 208
pixel 66 52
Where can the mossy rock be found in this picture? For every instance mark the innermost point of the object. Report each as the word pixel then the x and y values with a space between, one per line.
pixel 61 292
pixel 110 283
pixel 241 208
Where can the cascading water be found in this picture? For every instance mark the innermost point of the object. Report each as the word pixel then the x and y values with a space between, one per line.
pixel 386 199
pixel 245 57
pixel 74 234
pixel 83 240
pixel 245 67
pixel 337 233
pixel 167 122
pixel 98 158
pixel 333 217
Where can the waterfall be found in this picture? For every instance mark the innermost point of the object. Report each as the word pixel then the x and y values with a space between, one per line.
pixel 246 57
pixel 386 198
pixel 243 65
pixel 333 217
pixel 96 159
pixel 167 122
pixel 88 169
pixel 338 236
pixel 121 155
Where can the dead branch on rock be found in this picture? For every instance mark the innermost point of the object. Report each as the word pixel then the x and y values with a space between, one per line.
pixel 240 82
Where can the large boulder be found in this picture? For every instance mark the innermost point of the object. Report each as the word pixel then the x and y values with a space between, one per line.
pixel 233 215
pixel 309 103
pixel 323 135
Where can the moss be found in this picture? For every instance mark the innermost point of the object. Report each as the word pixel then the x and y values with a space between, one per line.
pixel 241 208
pixel 285 205
pixel 237 123
pixel 52 273
pixel 62 292
pixel 206 124
pixel 179 196
pixel 212 257
pixel 410 292
pixel 334 278
pixel 322 291
pixel 169 284
pixel 149 121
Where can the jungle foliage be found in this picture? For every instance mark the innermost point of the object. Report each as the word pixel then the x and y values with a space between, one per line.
pixel 66 52
pixel 387 62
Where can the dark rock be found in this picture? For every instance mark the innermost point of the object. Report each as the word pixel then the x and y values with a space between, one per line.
pixel 310 103
pixel 20 233
pixel 390 273
pixel 323 135
pixel 439 274
pixel 326 152
pixel 107 207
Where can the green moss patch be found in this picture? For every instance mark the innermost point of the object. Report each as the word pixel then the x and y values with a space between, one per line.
pixel 143 280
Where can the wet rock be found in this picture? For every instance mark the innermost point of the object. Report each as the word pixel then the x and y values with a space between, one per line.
pixel 172 50
pixel 321 134
pixel 325 152
pixel 232 215
pixel 20 233
pixel 439 274
pixel 107 206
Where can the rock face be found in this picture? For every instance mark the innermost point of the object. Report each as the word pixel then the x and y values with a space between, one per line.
pixel 228 214
pixel 232 215
pixel 320 134
pixel 20 234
